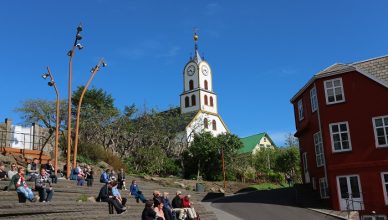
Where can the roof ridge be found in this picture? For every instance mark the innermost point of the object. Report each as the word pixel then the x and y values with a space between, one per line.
pixel 255 134
pixel 371 59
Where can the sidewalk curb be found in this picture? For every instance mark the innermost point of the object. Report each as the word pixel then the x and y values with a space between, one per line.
pixel 328 213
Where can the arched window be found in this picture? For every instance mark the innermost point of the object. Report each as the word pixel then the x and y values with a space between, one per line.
pixel 187 101
pixel 214 123
pixel 211 101
pixel 206 103
pixel 191 84
pixel 206 123
pixel 193 100
pixel 206 85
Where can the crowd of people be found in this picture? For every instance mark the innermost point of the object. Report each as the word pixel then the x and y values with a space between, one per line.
pixel 43 177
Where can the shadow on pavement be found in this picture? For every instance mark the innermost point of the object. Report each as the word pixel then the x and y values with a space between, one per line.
pixel 298 196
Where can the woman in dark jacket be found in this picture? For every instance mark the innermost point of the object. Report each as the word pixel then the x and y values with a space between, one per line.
pixel 148 211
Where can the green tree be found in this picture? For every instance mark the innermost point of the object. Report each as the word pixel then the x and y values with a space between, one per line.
pixel 288 161
pixel 42 112
pixel 204 154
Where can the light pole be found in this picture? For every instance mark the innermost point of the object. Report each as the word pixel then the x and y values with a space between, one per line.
pixel 71 55
pixel 52 83
pixel 94 71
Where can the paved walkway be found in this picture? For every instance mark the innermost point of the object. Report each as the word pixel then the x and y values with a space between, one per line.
pixel 271 205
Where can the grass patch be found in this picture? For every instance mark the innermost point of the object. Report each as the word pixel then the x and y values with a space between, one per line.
pixel 267 186
pixel 83 198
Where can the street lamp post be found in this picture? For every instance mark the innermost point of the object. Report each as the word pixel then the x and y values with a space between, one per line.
pixel 94 71
pixel 52 83
pixel 71 55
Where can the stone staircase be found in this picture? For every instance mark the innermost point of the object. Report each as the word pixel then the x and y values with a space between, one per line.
pixel 66 204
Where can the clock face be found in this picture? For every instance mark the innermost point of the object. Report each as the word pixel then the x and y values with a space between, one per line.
pixel 205 70
pixel 190 70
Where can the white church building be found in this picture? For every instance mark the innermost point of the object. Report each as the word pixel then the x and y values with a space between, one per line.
pixel 198 99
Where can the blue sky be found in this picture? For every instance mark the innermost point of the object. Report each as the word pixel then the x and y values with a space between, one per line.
pixel 260 52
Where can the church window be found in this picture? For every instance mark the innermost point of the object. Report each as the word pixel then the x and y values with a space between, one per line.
pixel 214 123
pixel 205 123
pixel 206 85
pixel 206 103
pixel 193 100
pixel 211 101
pixel 187 101
pixel 191 84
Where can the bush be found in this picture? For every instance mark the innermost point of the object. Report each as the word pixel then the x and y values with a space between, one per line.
pixel 275 177
pixel 92 153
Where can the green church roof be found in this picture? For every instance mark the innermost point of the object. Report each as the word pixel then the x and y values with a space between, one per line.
pixel 250 142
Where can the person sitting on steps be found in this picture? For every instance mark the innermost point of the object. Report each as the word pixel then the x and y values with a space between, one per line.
pixel 148 211
pixel 12 171
pixel 134 189
pixel 158 208
pixel 177 206
pixel 117 194
pixel 33 169
pixel 187 206
pixel 167 209
pixel 3 173
pixel 18 180
pixel 44 187
pixel 104 178
pixel 49 167
pixel 89 176
pixel 121 179
pixel 106 195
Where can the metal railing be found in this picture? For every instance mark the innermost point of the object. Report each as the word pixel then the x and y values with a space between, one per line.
pixel 23 141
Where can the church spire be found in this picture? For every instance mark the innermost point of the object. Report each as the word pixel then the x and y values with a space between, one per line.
pixel 197 58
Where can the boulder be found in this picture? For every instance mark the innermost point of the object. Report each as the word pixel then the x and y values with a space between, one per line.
pixel 155 178
pixel 213 189
pixel 103 165
pixel 221 190
pixel 182 185
pixel 147 177
pixel 91 199
pixel 9 159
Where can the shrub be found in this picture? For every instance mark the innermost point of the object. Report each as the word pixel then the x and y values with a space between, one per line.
pixel 275 177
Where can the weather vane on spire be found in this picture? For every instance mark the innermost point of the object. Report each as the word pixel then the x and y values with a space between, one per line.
pixel 195 30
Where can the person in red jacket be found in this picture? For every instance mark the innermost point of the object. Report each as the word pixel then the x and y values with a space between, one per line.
pixel 187 206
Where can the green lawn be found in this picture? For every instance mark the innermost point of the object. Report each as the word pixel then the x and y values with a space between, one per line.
pixel 266 186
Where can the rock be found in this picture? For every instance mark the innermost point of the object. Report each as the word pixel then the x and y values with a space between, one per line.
pixel 91 199
pixel 155 178
pixel 9 159
pixel 213 189
pixel 221 190
pixel 147 177
pixel 182 185
pixel 103 165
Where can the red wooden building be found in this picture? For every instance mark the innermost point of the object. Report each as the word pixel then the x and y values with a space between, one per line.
pixel 341 118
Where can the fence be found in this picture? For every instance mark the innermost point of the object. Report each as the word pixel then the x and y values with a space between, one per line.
pixel 25 141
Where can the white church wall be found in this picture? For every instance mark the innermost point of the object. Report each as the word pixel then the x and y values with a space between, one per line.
pixel 207 107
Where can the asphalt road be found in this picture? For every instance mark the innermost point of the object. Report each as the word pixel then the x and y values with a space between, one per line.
pixel 271 205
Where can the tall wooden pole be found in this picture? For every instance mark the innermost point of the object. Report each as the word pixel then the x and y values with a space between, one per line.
pixel 57 122
pixel 96 68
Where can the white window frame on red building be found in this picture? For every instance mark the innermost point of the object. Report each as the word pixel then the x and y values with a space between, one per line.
pixel 300 110
pixel 313 99
pixel 323 188
pixel 384 127
pixel 340 136
pixel 384 184
pixel 319 156
pixel 334 88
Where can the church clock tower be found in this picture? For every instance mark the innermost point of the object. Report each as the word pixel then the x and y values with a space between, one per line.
pixel 198 91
